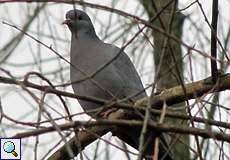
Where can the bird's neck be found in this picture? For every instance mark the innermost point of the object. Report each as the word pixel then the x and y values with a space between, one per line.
pixel 85 35
pixel 81 41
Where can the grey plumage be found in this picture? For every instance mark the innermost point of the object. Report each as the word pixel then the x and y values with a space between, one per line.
pixel 118 80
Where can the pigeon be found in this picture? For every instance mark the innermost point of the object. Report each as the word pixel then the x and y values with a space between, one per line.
pixel 103 71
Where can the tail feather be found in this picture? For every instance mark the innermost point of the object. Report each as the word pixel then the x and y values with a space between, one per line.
pixel 132 138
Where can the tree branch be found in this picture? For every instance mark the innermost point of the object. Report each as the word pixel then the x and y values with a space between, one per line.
pixel 100 127
pixel 170 96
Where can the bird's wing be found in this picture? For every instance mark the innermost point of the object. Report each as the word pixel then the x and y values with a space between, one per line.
pixel 128 73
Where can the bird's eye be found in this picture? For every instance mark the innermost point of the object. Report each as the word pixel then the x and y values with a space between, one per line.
pixel 80 18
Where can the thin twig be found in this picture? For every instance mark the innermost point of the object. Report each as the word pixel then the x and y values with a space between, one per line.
pixel 161 127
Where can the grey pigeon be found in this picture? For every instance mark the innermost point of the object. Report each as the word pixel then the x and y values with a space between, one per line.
pixel 114 75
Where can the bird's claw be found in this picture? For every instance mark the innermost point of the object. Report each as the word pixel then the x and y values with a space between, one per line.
pixel 106 113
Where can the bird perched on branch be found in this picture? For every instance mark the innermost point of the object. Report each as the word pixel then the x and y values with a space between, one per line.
pixel 104 71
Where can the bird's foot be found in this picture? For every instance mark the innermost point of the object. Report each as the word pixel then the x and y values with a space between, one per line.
pixel 106 113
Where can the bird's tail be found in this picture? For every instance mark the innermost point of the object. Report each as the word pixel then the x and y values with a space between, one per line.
pixel 132 138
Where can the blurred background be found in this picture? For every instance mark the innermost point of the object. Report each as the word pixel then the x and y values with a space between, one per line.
pixel 20 55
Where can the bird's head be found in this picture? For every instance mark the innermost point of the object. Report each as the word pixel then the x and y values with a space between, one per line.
pixel 78 22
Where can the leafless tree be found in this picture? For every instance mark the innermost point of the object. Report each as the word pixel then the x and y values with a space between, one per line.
pixel 180 49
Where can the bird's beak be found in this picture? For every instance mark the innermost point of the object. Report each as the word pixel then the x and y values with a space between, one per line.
pixel 67 21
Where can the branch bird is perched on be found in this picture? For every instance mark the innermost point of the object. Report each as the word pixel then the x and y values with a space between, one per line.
pixel 114 75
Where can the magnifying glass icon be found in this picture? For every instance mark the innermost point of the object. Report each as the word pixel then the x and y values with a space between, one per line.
pixel 9 147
